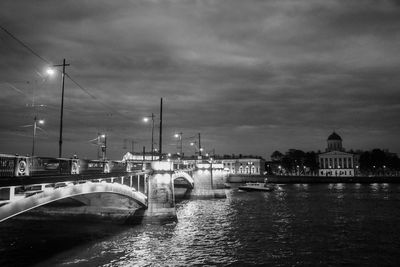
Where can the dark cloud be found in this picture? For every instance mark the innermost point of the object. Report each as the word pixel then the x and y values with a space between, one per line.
pixel 251 76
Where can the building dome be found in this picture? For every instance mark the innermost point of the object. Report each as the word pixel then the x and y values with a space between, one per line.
pixel 334 136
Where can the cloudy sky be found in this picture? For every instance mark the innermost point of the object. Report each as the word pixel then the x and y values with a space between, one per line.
pixel 250 76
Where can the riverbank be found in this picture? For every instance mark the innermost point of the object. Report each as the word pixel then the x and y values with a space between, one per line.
pixel 312 179
pixel 332 179
pixel 246 178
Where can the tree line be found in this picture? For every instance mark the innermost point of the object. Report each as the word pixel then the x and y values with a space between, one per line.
pixel 295 161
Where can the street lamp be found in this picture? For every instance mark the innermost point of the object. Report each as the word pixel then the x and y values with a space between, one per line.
pixel 146 119
pixel 50 71
pixel 179 135
pixel 103 145
pixel 199 149
pixel 35 123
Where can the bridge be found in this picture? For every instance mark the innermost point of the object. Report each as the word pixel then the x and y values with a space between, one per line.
pixel 125 194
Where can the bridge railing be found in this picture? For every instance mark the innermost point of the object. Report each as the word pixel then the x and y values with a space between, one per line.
pixel 17 166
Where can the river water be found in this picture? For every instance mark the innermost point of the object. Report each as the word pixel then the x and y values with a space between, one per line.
pixel 295 225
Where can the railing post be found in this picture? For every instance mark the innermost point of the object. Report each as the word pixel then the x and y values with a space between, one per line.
pixel 12 193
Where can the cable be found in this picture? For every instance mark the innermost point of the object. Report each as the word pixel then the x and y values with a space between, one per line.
pixel 75 82
pixel 95 98
pixel 24 45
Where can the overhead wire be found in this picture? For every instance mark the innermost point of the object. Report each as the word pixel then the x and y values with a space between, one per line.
pixel 24 45
pixel 73 80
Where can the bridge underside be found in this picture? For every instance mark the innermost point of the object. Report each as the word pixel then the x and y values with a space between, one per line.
pixel 90 200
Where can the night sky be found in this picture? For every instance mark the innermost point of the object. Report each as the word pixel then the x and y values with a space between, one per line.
pixel 250 76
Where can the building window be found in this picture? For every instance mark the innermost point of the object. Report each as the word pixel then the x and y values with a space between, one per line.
pixel 247 169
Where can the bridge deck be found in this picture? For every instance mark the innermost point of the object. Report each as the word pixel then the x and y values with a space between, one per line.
pixel 28 180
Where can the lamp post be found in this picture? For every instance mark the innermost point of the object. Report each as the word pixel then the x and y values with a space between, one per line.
pixel 103 145
pixel 198 148
pixel 179 135
pixel 146 119
pixel 194 145
pixel 35 122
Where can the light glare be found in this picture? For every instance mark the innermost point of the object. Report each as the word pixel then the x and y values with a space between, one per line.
pixel 50 71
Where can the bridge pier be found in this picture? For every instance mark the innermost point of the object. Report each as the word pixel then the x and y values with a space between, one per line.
pixel 209 183
pixel 161 199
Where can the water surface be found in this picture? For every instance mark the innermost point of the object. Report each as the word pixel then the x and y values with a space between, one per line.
pixel 296 225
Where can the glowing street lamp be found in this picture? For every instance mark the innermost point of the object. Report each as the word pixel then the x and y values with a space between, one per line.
pixel 198 150
pixel 179 135
pixel 35 123
pixel 103 144
pixel 50 71
pixel 146 119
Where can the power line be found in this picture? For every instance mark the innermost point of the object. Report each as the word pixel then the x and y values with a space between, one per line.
pixel 74 81
pixel 24 45
pixel 95 98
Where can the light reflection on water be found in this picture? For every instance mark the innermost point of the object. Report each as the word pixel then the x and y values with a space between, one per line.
pixel 295 225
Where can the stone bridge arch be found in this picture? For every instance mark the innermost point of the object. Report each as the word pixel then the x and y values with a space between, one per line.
pixel 183 176
pixel 79 190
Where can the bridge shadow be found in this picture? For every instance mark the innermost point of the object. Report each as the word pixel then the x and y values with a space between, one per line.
pixel 26 242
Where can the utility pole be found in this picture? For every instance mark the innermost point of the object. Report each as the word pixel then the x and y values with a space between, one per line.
pixel 104 146
pixel 34 136
pixel 199 146
pixel 180 144
pixel 152 136
pixel 62 107
pixel 160 137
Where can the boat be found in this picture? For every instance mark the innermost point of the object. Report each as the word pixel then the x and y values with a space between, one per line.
pixel 257 187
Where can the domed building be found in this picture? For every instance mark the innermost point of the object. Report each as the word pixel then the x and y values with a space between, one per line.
pixel 335 161
pixel 334 143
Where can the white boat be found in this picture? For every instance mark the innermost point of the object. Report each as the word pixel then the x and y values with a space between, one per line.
pixel 257 187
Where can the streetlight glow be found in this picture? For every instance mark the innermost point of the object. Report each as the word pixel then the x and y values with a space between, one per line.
pixel 179 135
pixel 146 119
pixel 35 123
pixel 50 71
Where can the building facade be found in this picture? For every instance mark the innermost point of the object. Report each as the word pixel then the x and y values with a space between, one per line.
pixel 137 157
pixel 335 161
pixel 244 166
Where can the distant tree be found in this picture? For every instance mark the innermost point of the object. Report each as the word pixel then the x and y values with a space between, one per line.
pixel 378 158
pixel 311 161
pixel 378 161
pixel 276 156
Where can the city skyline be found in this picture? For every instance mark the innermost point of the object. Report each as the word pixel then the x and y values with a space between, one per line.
pixel 251 76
